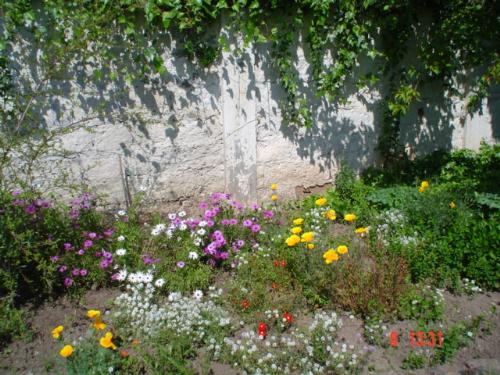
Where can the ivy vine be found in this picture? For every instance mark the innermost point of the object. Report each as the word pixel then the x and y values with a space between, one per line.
pixel 449 39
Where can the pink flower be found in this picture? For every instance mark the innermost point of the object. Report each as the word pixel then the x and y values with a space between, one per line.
pixel 255 228
pixel 15 193
pixel 92 235
pixel 105 263
pixel 30 209
pixel 268 214
pixel 87 244
pixel 210 223
pixel 181 264
pixel 203 206
pixel 80 252
pixel 247 223
pixel 108 232
pixel 254 206
pixel 63 269
pixel 67 246
pixel 68 282
pixel 75 272
pixel 54 258
pixel 83 272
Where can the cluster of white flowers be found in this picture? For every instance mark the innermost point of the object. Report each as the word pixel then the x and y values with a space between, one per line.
pixel 176 223
pixel 376 332
pixel 470 286
pixel 197 234
pixel 311 351
pixel 137 309
pixel 315 215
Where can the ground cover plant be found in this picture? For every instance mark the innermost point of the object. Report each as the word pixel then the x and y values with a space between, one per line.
pixel 261 289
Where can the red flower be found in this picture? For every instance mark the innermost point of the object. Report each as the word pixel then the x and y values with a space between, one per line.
pixel 262 329
pixel 288 317
pixel 274 286
pixel 276 263
pixel 245 304
pixel 283 263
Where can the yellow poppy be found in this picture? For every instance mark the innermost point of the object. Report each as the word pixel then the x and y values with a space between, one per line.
pixel 296 230
pixel 99 325
pixel 94 314
pixel 423 186
pixel 361 230
pixel 453 205
pixel 274 197
pixel 106 342
pixel 330 214
pixel 292 240
pixel 298 221
pixel 342 249
pixel 310 246
pixel 56 332
pixel 307 237
pixel 330 256
pixel 349 217
pixel 274 186
pixel 66 351
pixel 320 202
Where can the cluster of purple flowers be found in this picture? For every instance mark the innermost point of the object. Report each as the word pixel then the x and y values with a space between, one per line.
pixel 214 248
pixel 79 204
pixel 31 207
pixel 89 241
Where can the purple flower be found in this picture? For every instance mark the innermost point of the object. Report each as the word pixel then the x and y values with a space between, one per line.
pixel 74 213
pixel 54 258
pixel 210 223
pixel 225 222
pixel 75 272
pixel 203 206
pixel 254 206
pixel 15 193
pixel 212 262
pixel 67 246
pixel 240 243
pixel 83 272
pixel 208 214
pixel 108 232
pixel 181 264
pixel 30 209
pixel 223 255
pixel 18 202
pixel 115 276
pixel 147 259
pixel 256 228
pixel 247 223
pixel 233 221
pixel 105 263
pixel 87 244
pixel 68 282
pixel 268 214
pixel 63 269
pixel 217 234
pixel 107 254
pixel 80 252
pixel 92 235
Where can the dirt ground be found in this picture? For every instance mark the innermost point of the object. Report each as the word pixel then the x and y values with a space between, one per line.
pixel 482 356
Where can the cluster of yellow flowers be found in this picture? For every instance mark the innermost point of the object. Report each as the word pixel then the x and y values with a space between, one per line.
pixel 423 186
pixel 332 255
pixel 105 341
pixel 274 196
pixel 96 315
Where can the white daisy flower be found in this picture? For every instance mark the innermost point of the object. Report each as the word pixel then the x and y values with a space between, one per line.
pixel 198 295
pixel 193 255
pixel 122 213
pixel 172 216
pixel 201 232
pixel 159 283
pixel 121 252
pixel 121 238
pixel 181 214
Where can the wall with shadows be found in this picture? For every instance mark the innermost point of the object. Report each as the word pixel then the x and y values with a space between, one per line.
pixel 194 131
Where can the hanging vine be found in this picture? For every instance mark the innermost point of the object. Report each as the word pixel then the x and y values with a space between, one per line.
pixel 122 39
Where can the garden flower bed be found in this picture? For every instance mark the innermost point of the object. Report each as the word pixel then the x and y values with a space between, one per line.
pixel 368 277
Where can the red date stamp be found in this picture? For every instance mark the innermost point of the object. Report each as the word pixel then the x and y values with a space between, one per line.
pixel 418 339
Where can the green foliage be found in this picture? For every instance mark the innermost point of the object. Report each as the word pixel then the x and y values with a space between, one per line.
pixel 413 361
pixel 422 304
pixel 455 337
pixel 90 358
pixel 13 325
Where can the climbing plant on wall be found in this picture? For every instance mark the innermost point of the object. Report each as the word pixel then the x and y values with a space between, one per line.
pixel 122 40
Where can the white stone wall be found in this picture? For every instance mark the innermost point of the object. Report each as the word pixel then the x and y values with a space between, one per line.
pixel 196 131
